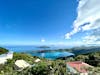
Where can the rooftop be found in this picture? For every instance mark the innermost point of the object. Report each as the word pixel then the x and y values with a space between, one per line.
pixel 79 66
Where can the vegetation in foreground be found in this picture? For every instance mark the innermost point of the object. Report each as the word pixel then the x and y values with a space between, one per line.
pixel 48 67
pixel 3 50
pixel 44 67
pixel 92 59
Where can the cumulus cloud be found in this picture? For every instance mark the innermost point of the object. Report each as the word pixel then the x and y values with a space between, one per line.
pixel 88 19
pixel 90 39
pixel 42 40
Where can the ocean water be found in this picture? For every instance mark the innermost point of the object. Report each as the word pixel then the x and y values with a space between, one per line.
pixel 53 55
pixel 31 49
pixel 21 48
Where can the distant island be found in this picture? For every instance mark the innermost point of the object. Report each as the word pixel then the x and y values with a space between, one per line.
pixel 46 67
pixel 75 50
pixel 43 47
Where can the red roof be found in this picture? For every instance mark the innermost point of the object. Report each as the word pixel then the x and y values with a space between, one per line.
pixel 79 66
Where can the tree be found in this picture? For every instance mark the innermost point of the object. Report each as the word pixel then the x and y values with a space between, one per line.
pixel 3 50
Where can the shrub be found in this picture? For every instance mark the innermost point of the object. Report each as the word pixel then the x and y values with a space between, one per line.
pixel 3 50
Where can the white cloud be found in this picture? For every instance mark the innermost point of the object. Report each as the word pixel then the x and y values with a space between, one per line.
pixel 43 40
pixel 66 44
pixel 91 39
pixel 88 19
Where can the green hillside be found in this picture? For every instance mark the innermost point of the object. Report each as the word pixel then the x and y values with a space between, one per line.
pixel 3 50
pixel 47 67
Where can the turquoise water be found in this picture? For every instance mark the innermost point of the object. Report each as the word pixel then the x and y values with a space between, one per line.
pixel 53 55
pixel 48 55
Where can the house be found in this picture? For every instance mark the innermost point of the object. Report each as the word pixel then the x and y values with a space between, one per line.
pixel 21 64
pixel 78 67
pixel 4 57
pixel 37 60
pixel 10 55
pixel 2 61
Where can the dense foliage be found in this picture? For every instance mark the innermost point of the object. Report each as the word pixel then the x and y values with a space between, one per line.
pixel 3 50
pixel 45 67
pixel 48 67
pixel 90 58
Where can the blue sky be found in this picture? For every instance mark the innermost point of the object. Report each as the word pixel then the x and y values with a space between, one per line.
pixel 30 22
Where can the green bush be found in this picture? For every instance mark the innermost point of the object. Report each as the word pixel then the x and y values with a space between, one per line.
pixel 3 50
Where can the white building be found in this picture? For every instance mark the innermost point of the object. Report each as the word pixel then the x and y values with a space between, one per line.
pixel 78 67
pixel 4 57
pixel 37 60
pixel 2 61
pixel 10 55
pixel 21 64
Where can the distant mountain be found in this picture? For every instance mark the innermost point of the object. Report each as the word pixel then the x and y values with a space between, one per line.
pixel 85 50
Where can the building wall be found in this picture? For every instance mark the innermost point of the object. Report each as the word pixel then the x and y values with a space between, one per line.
pixel 10 55
pixel 3 61
pixel 4 57
pixel 83 73
pixel 71 69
